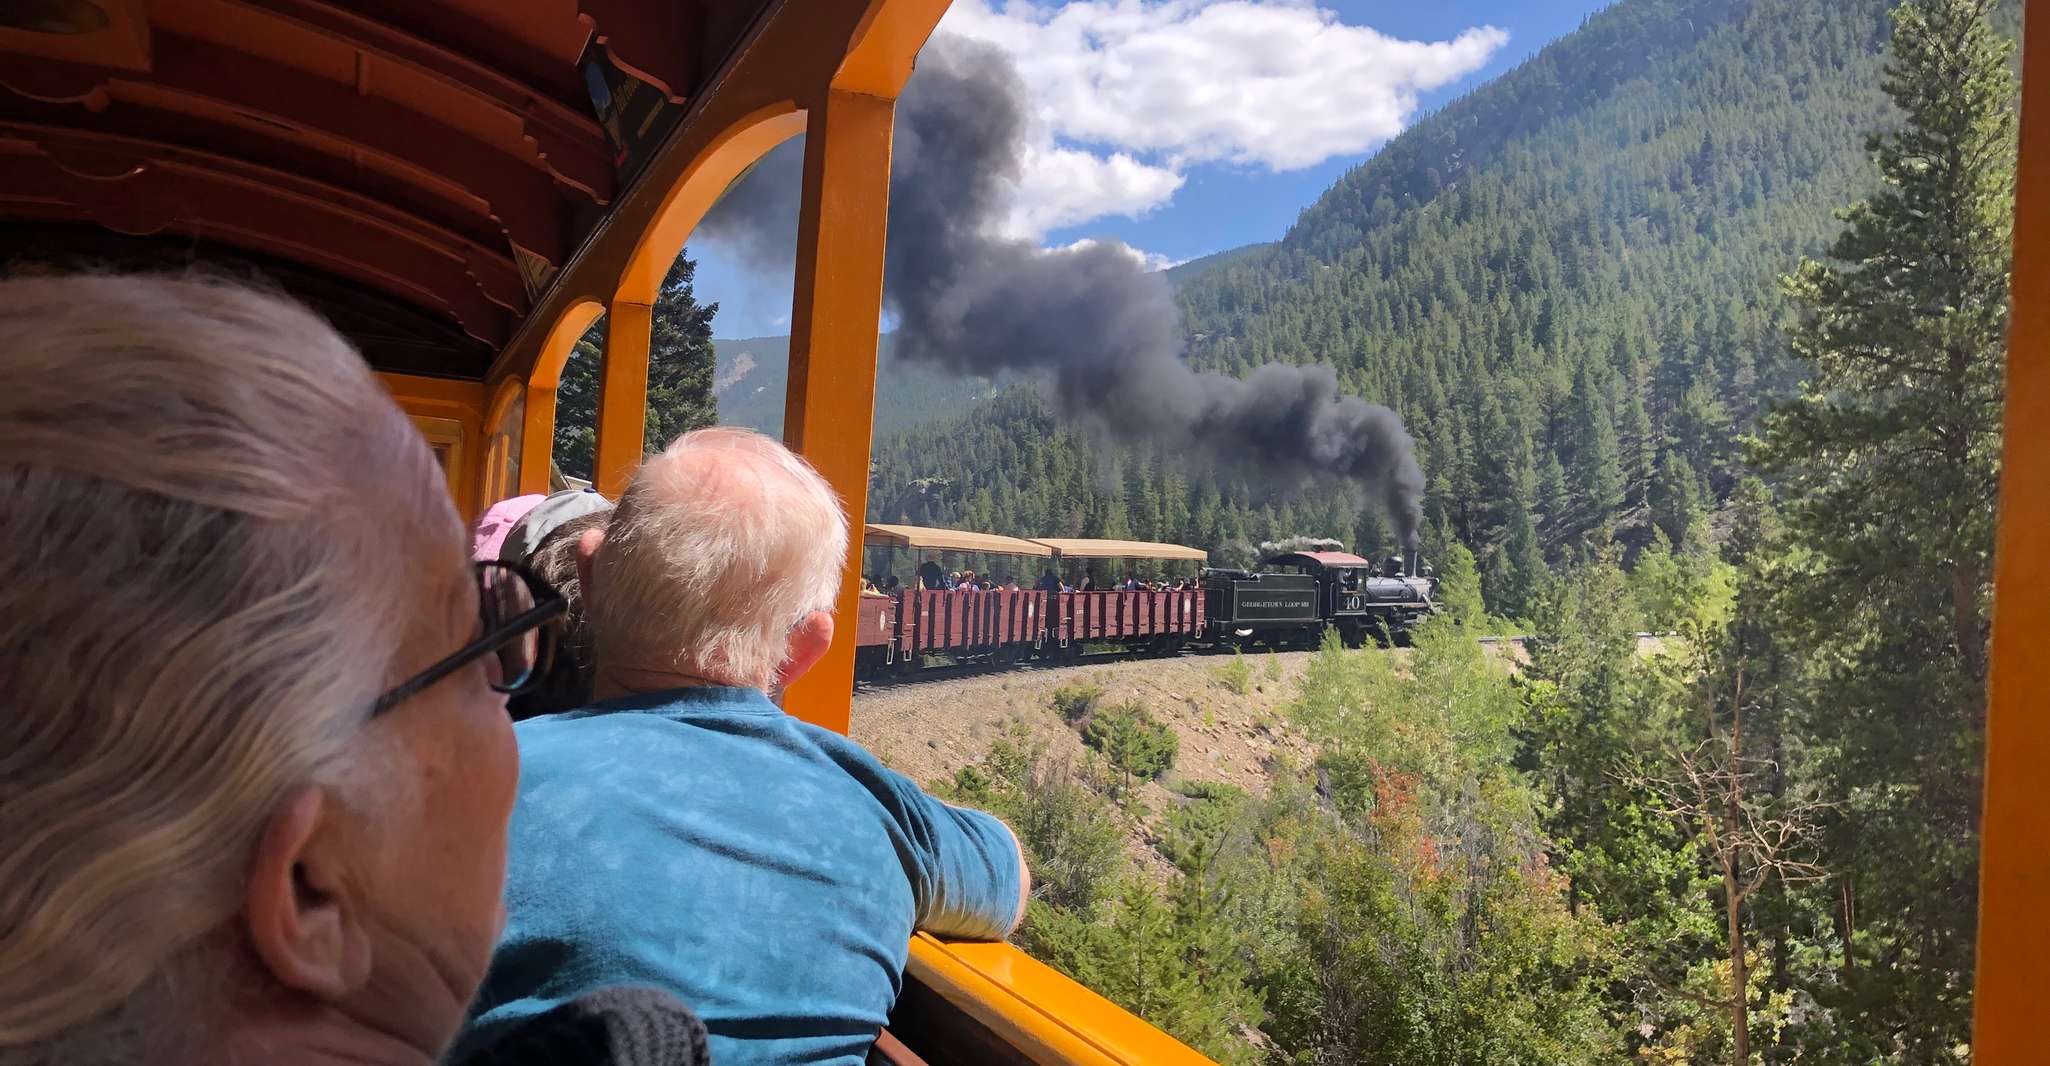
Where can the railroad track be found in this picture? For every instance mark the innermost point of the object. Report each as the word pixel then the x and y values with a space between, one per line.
pixel 933 675
pixel 936 674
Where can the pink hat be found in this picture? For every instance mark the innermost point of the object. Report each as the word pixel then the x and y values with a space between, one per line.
pixel 489 535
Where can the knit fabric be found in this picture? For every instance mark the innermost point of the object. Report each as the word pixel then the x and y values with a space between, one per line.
pixel 622 1026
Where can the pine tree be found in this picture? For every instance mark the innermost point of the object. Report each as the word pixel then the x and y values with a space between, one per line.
pixel 1459 586
pixel 1597 474
pixel 1675 499
pixel 576 405
pixel 1890 459
pixel 1517 573
pixel 681 361
pixel 1640 447
pixel 1701 433
pixel 680 367
pixel 1553 505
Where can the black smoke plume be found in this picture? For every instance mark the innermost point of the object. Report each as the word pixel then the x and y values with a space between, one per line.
pixel 1103 331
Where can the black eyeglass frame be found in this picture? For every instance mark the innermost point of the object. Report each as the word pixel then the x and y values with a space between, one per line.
pixel 548 604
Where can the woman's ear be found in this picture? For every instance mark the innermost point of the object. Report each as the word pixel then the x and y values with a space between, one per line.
pixel 301 918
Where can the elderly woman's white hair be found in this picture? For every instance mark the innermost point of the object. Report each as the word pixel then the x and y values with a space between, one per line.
pixel 723 543
pixel 199 485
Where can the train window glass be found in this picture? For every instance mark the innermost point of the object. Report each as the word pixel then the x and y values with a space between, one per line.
pixel 502 466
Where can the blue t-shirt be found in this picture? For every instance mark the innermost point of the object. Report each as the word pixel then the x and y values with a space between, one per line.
pixel 767 872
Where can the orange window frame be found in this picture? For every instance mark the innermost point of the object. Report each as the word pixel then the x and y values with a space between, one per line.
pixel 2012 993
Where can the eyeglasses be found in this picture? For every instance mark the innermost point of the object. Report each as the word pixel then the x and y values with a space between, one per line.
pixel 516 607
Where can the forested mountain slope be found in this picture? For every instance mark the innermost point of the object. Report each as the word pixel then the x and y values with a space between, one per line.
pixel 1182 274
pixel 1565 282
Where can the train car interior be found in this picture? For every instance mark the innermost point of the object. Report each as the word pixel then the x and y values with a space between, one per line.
pixel 463 188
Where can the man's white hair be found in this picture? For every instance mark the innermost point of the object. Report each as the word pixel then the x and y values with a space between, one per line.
pixel 200 487
pixel 723 543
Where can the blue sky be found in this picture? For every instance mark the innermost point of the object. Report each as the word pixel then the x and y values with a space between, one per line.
pixel 1184 127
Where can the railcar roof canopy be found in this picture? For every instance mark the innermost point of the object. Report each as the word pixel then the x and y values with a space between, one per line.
pixel 929 537
pixel 1073 548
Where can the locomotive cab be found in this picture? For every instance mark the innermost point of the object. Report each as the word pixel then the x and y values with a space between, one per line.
pixel 1359 601
pixel 1246 607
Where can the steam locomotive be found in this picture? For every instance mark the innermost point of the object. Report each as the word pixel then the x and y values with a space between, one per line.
pixel 1296 595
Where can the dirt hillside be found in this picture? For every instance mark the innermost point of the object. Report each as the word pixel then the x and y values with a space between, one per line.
pixel 927 730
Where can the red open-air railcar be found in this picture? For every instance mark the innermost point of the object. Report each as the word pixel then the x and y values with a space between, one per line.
pixel 898 630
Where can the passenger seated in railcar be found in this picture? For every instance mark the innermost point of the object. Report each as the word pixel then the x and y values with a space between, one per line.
pixel 1049 581
pixel 931 575
pixel 566 683
pixel 487 538
pixel 255 767
pixel 541 521
pixel 683 832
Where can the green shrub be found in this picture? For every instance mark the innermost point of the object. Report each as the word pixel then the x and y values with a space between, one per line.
pixel 1209 790
pixel 1236 675
pixel 1074 702
pixel 1194 832
pixel 1132 739
pixel 1273 667
pixel 1072 838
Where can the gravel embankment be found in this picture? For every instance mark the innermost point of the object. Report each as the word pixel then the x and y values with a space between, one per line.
pixel 929 729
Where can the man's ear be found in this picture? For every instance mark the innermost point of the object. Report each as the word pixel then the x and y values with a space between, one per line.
pixel 301 917
pixel 808 644
pixel 587 551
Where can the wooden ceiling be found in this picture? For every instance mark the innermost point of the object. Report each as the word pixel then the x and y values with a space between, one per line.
pixel 418 152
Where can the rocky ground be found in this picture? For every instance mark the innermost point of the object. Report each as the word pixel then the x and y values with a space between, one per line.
pixel 928 729
pixel 931 727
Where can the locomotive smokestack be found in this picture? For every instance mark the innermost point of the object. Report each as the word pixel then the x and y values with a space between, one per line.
pixel 1102 330
pixel 1412 557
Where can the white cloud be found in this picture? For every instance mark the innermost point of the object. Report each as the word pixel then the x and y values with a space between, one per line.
pixel 1128 94
pixel 1063 186
pixel 1149 260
